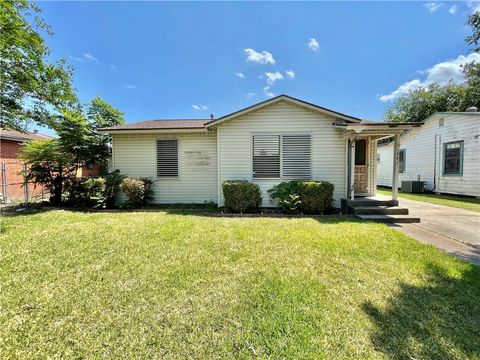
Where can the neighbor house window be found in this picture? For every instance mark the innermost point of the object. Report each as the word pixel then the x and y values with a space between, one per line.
pixel 167 158
pixel 282 156
pixel 402 161
pixel 266 156
pixel 453 158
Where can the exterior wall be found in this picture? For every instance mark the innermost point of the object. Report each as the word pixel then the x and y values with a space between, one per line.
pixel 135 155
pixel 424 155
pixel 9 149
pixel 235 146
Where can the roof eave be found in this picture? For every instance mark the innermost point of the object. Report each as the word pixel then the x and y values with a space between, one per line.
pixel 155 131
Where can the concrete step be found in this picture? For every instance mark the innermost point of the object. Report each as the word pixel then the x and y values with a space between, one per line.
pixel 379 210
pixel 391 219
pixel 371 202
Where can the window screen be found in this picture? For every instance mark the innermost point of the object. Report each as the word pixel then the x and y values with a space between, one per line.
pixel 167 158
pixel 296 153
pixel 401 161
pixel 453 158
pixel 266 156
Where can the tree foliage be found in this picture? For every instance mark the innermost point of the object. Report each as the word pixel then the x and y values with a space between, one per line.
pixel 419 104
pixel 31 88
pixel 474 23
pixel 48 164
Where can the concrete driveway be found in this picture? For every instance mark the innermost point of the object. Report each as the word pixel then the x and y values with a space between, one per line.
pixel 453 230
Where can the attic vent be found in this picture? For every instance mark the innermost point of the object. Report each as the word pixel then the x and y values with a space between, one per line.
pixel 441 122
pixel 167 158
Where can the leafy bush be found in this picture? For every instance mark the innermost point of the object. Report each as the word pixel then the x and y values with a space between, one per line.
pixel 113 182
pixel 309 197
pixel 137 190
pixel 241 196
pixel 84 191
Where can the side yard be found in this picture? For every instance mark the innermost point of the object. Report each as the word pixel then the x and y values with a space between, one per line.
pixel 462 202
pixel 176 284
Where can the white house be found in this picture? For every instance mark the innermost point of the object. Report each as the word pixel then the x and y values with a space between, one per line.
pixel 280 139
pixel 444 152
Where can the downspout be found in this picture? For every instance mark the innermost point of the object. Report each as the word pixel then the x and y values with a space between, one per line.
pixel 435 164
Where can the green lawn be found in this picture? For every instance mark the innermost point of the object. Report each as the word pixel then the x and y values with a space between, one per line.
pixel 468 203
pixel 181 285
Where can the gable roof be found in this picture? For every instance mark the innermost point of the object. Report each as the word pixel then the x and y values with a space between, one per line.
pixel 279 98
pixel 204 124
pixel 20 136
pixel 160 124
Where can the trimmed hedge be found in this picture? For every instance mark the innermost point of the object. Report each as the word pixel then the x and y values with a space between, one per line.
pixel 137 190
pixel 308 197
pixel 241 196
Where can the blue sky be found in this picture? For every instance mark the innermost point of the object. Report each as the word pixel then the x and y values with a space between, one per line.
pixel 184 60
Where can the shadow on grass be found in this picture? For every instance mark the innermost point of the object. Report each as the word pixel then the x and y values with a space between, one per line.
pixel 440 320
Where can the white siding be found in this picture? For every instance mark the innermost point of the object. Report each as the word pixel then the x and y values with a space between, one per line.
pixel 135 155
pixel 235 145
pixel 424 160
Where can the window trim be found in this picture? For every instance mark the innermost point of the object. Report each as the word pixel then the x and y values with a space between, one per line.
pixel 460 173
pixel 404 170
pixel 281 134
pixel 178 159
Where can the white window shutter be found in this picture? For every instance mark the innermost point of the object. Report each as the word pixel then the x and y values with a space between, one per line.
pixel 296 157
pixel 167 158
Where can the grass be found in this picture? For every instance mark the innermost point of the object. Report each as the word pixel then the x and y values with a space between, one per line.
pixel 462 202
pixel 167 284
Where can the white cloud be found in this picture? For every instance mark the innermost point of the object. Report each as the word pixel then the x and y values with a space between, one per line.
pixel 267 91
pixel 250 95
pixel 432 6
pixel 130 86
pixel 261 58
pixel 240 75
pixel 453 9
pixel 313 44
pixel 85 57
pixel 441 73
pixel 290 74
pixel 272 77
pixel 200 107
pixel 114 68
pixel 90 57
pixel 474 6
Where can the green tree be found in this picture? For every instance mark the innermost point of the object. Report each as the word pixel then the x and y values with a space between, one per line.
pixel 474 23
pixel 31 88
pixel 48 164
pixel 419 104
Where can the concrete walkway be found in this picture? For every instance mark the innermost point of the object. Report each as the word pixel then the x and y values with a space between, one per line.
pixel 455 231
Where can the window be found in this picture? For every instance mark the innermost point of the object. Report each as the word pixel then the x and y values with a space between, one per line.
pixel 167 158
pixel 296 151
pixel 360 152
pixel 281 156
pixel 453 158
pixel 266 156
pixel 402 163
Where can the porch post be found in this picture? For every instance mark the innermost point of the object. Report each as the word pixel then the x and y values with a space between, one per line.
pixel 352 168
pixel 396 151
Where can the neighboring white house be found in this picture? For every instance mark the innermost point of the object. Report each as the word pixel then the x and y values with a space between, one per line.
pixel 444 152
pixel 280 139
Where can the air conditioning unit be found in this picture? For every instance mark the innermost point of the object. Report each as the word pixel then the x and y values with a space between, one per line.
pixel 413 186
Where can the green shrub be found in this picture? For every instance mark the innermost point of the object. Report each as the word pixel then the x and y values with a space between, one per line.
pixel 84 192
pixel 111 189
pixel 241 196
pixel 309 197
pixel 137 190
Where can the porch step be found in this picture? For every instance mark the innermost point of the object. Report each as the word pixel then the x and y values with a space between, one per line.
pixel 390 218
pixel 371 202
pixel 379 210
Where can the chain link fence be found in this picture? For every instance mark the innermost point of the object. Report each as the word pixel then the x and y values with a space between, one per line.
pixel 14 187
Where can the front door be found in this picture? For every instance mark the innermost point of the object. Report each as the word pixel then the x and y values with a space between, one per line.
pixel 361 167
